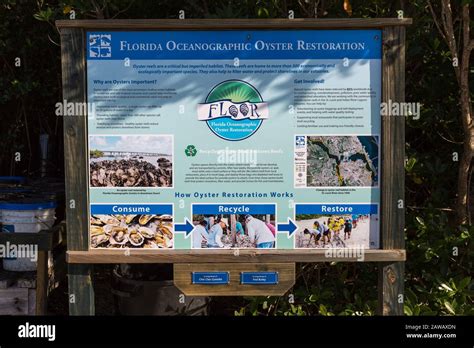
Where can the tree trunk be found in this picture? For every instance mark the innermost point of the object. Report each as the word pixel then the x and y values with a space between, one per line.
pixel 445 26
pixel 464 179
pixel 462 206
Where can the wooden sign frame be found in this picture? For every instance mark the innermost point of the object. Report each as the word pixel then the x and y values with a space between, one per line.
pixel 390 257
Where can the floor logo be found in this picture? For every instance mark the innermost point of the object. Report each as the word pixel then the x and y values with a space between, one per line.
pixel 234 110
pixel 100 45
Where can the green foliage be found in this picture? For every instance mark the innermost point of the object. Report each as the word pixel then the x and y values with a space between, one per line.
pixel 30 81
pixel 96 153
pixel 322 289
pixel 440 255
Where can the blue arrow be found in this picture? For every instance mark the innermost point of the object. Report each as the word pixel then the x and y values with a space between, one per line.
pixel 290 227
pixel 186 227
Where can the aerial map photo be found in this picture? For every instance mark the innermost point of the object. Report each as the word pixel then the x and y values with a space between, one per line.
pixel 342 160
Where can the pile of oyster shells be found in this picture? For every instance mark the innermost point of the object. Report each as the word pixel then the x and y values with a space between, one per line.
pixel 131 173
pixel 131 231
pixel 242 241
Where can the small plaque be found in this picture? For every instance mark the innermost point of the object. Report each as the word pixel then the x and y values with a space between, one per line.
pixel 259 278
pixel 210 278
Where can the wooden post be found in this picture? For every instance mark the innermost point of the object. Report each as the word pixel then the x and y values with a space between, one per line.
pixel 42 280
pixel 233 226
pixel 391 274
pixel 81 293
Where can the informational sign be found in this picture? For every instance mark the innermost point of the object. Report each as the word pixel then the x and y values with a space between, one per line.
pixel 208 140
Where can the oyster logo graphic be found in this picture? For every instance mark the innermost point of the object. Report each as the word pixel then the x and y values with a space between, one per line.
pixel 234 110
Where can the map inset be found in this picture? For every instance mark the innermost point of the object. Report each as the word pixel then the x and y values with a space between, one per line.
pixel 342 160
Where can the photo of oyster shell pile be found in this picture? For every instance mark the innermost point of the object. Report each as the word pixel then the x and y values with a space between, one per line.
pixel 131 173
pixel 131 231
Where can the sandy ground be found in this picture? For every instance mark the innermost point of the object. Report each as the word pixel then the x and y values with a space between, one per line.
pixel 359 236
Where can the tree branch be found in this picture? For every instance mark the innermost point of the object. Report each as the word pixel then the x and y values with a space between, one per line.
pixel 435 19
pixel 305 10
pixel 466 28
pixel 124 10
pixel 470 47
pixel 447 19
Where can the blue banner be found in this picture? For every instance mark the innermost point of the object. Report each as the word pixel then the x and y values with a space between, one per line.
pixel 230 44
pixel 125 209
pixel 208 209
pixel 335 209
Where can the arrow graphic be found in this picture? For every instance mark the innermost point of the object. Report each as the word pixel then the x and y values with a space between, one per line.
pixel 187 227
pixel 290 227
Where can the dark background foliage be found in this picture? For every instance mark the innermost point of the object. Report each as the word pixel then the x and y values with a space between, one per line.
pixel 437 274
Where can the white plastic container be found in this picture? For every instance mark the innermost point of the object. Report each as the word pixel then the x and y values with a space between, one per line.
pixel 25 217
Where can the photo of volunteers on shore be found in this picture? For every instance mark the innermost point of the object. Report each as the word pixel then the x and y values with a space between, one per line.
pixel 131 161
pixel 336 231
pixel 131 231
pixel 234 231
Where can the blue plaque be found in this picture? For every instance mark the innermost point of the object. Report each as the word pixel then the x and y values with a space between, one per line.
pixel 259 278
pixel 210 278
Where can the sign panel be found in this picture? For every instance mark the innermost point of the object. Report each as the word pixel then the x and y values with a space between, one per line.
pixel 234 139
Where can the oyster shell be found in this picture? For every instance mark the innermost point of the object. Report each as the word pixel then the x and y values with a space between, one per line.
pixel 118 236
pixel 160 240
pixel 146 232
pixel 165 231
pixel 168 242
pixel 98 240
pixel 96 221
pixel 150 244
pixel 130 218
pixel 108 229
pixel 108 219
pixel 166 217
pixel 166 224
pixel 96 230
pixel 135 238
pixel 144 219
